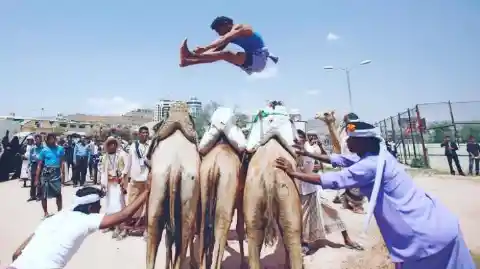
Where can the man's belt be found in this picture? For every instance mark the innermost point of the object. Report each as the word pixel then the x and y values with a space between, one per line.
pixel 117 180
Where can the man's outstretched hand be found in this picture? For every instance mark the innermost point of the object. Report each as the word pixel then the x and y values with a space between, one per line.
pixel 283 164
pixel 200 50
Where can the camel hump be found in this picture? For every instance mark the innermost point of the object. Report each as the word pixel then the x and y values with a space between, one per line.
pixel 179 118
pixel 273 124
pixel 223 125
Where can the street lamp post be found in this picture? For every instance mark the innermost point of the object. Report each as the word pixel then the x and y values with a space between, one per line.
pixel 347 73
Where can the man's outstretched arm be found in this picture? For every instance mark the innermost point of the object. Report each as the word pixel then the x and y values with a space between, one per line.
pixel 20 248
pixel 237 31
pixel 218 48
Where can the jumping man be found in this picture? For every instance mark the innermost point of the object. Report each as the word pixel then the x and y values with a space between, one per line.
pixel 252 60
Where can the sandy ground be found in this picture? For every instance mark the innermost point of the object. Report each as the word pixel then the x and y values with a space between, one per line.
pixel 101 251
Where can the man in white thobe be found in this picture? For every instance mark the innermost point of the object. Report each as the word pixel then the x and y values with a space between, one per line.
pixel 138 177
pixel 25 173
pixel 319 218
pixel 114 181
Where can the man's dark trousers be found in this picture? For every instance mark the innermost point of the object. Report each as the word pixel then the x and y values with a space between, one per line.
pixel 67 170
pixel 472 161
pixel 80 173
pixel 454 157
pixel 33 174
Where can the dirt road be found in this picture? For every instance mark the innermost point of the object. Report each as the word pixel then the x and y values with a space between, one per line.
pixel 20 218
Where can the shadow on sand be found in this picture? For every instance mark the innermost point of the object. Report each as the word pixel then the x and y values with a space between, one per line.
pixel 272 261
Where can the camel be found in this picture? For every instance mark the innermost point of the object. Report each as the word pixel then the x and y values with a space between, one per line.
pixel 338 136
pixel 221 179
pixel 175 187
pixel 271 198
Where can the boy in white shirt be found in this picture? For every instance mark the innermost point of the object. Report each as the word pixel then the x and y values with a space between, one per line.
pixel 59 237
pixel 318 217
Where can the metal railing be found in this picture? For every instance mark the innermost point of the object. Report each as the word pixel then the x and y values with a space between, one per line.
pixel 419 131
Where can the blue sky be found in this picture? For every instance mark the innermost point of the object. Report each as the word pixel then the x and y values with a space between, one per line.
pixel 80 56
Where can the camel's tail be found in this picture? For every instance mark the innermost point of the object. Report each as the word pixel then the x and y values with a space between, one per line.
pixel 270 229
pixel 209 233
pixel 175 206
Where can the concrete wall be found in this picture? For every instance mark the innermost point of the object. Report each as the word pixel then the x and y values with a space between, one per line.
pixel 436 157
pixel 12 126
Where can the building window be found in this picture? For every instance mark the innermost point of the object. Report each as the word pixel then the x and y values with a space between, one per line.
pixel 82 126
pixel 73 126
pixel 63 125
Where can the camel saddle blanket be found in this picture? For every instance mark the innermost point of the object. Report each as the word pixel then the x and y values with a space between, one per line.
pixel 274 123
pixel 179 118
pixel 223 125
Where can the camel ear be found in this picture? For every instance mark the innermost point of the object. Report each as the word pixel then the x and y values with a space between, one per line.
pixel 333 112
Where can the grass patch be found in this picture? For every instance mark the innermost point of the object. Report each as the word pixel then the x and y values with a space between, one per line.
pixel 476 259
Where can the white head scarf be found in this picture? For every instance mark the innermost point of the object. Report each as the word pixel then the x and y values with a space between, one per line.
pixel 85 200
pixel 362 129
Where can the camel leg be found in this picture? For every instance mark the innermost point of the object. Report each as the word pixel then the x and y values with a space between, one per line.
pixel 223 220
pixel 254 212
pixel 155 211
pixel 240 229
pixel 290 226
pixel 193 259
pixel 203 209
pixel 168 249
pixel 189 192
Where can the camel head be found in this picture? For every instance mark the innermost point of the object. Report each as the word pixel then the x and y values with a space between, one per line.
pixel 327 117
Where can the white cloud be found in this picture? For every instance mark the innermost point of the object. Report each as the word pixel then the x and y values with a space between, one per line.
pixel 112 106
pixel 332 37
pixel 269 72
pixel 312 92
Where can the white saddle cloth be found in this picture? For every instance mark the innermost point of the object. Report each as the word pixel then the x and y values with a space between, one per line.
pixel 275 123
pixel 223 121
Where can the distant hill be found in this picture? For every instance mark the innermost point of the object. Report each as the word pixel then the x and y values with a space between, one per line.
pixel 123 120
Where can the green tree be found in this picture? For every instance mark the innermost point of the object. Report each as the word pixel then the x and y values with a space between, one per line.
pixel 202 120
pixel 438 130
pixel 242 119
pixel 466 130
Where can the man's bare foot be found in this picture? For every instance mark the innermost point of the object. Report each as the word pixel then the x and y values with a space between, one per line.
pixel 184 53
pixel 358 210
pixel 353 245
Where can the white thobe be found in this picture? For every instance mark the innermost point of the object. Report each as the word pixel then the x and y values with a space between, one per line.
pixel 136 164
pixel 111 165
pixel 307 167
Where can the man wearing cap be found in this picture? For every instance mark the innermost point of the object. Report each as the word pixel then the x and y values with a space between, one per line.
pixel 59 237
pixel 418 230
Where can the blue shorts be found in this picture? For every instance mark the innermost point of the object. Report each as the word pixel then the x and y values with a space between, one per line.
pixel 256 61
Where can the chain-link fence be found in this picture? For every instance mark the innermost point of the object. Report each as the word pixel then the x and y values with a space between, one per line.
pixel 419 132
